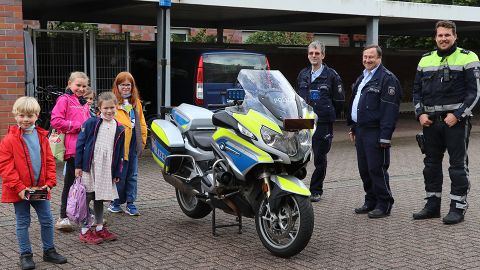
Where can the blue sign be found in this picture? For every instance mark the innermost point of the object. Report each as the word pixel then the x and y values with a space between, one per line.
pixel 165 3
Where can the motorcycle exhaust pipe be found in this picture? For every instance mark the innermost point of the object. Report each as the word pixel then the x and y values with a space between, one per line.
pixel 180 185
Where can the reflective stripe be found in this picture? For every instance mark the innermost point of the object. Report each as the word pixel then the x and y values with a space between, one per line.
pixel 437 68
pixel 418 105
pixel 468 111
pixel 462 206
pixel 472 65
pixel 434 194
pixel 442 108
pixel 384 141
pixel 457 198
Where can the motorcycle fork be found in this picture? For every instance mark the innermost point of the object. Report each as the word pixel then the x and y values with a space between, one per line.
pixel 266 183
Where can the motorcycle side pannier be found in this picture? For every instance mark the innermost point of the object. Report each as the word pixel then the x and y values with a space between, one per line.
pixel 166 140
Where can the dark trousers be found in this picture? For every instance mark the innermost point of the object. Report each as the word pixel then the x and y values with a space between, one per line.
pixel 373 163
pixel 438 138
pixel 321 143
pixel 67 183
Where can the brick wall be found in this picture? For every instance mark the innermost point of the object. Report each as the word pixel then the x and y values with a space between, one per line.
pixel 12 70
pixel 137 32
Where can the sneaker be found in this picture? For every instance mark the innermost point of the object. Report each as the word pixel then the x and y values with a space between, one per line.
pixel 106 235
pixel 90 238
pixel 26 261
pixel 115 208
pixel 52 256
pixel 63 224
pixel 132 210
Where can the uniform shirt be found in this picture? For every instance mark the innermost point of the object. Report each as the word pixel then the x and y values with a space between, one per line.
pixel 367 76
pixel 316 73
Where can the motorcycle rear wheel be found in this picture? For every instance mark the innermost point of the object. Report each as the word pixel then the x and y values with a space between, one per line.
pixel 287 233
pixel 191 206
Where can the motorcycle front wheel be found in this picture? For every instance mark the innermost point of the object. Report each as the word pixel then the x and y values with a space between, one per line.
pixel 287 232
pixel 191 206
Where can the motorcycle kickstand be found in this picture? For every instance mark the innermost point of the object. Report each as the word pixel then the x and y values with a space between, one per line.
pixel 215 226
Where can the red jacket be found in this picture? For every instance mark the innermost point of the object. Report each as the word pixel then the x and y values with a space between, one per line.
pixel 16 168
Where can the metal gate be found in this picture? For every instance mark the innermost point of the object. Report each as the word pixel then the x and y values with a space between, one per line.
pixel 51 55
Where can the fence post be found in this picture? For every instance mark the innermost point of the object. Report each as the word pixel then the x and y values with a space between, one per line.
pixel 93 61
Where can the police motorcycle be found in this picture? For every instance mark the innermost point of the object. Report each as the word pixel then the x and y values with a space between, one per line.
pixel 246 160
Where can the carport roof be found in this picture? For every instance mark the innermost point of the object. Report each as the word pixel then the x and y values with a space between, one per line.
pixel 334 16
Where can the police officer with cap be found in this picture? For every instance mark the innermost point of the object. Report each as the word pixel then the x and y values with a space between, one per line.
pixel 321 87
pixel 446 89
pixel 374 109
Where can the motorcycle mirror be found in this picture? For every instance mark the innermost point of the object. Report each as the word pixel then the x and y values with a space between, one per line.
pixel 297 124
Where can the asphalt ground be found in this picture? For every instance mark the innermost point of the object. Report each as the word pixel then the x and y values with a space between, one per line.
pixel 164 238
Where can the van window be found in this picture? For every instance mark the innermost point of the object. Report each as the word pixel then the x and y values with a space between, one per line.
pixel 224 67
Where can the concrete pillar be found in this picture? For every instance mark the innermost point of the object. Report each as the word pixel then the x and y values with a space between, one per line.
pixel 219 35
pixel 12 60
pixel 372 30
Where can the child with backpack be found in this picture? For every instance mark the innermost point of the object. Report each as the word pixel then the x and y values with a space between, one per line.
pixel 27 168
pixel 70 112
pixel 98 160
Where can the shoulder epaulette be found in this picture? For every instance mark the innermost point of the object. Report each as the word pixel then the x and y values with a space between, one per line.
pixel 334 71
pixel 465 51
pixel 427 54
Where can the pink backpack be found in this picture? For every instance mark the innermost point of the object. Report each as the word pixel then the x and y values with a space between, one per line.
pixel 77 202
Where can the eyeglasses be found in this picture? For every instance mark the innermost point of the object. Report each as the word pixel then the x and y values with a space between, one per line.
pixel 124 85
pixel 313 53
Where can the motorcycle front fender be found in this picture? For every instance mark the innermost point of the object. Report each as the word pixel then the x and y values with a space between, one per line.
pixel 291 184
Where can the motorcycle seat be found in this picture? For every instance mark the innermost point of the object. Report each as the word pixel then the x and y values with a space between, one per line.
pixel 200 138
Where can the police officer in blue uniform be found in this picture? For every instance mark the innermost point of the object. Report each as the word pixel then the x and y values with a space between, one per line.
pixel 445 91
pixel 374 110
pixel 321 87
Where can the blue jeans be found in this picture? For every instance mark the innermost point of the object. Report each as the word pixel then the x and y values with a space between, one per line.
pixel 22 214
pixel 127 186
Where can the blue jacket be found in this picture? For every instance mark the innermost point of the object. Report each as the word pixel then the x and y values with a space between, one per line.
pixel 86 146
pixel 379 103
pixel 325 94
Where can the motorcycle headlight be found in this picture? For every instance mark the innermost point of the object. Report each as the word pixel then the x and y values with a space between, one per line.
pixel 286 143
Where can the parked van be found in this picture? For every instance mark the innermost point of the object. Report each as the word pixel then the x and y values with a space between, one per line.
pixel 217 71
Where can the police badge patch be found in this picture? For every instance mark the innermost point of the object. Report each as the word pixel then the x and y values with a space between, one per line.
pixel 391 90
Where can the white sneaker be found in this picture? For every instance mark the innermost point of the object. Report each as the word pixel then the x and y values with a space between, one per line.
pixel 63 224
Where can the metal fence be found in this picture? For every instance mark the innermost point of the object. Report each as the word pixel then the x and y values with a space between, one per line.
pixel 57 53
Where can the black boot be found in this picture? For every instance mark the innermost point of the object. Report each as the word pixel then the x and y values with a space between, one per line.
pixel 26 261
pixel 455 215
pixel 52 256
pixel 431 209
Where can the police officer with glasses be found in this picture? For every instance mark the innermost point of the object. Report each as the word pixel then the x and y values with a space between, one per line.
pixel 321 87
pixel 445 91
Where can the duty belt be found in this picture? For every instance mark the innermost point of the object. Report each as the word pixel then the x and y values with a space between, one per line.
pixel 442 108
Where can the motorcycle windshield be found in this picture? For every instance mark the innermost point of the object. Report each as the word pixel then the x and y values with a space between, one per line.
pixel 268 92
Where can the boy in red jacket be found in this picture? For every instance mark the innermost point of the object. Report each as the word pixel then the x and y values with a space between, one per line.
pixel 27 164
